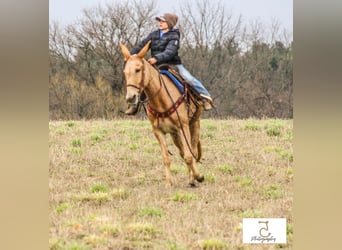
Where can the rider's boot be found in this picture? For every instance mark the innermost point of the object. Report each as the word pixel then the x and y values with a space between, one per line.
pixel 207 102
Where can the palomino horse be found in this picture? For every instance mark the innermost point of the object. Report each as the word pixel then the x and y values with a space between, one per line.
pixel 167 111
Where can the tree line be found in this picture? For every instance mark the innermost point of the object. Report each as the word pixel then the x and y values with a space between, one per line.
pixel 248 69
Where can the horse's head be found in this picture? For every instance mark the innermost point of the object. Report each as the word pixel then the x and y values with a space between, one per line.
pixel 134 72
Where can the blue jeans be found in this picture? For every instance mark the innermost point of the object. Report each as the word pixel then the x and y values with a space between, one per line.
pixel 196 84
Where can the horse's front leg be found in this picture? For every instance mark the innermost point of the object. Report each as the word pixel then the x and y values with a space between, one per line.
pixel 166 158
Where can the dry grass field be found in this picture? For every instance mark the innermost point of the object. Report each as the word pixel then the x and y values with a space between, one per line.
pixel 106 183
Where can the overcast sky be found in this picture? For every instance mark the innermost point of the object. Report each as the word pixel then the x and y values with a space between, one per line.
pixel 68 11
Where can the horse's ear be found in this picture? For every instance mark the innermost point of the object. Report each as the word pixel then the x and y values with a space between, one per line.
pixel 144 50
pixel 125 51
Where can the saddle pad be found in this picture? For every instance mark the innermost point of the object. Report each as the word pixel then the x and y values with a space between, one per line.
pixel 178 84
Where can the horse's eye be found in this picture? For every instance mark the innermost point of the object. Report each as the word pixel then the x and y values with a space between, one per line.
pixel 137 70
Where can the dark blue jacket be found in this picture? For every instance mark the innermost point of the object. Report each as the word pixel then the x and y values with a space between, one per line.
pixel 164 49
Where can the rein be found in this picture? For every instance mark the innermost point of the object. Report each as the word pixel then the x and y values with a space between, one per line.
pixel 171 110
pixel 174 106
pixel 142 86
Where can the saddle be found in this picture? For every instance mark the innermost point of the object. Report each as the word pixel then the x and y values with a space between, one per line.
pixel 184 87
pixel 188 94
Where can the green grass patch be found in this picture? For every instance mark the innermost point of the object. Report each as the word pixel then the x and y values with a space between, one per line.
pixel 210 178
pixel 110 230
pixel 184 197
pixel 133 146
pixel 141 178
pixel 62 244
pixel 272 149
pixel 119 193
pixel 96 137
pixel 244 181
pixel 101 193
pixel 251 125
pixel 56 244
pixel 282 153
pixel 171 245
pixel 225 169
pixel 61 131
pixel 289 228
pixel 102 130
pixel 251 214
pixel 213 244
pixel 274 127
pixel 207 135
pixel 96 188
pixel 135 136
pixel 150 211
pixel 289 232
pixel 275 131
pixel 92 217
pixel 76 142
pixel 288 136
pixel 70 124
pixel 92 197
pixel 286 155
pixel 273 191
pixel 141 231
pixel 76 151
pixel 94 240
pixel 178 169
pixel 211 126
pixel 289 171
pixel 62 207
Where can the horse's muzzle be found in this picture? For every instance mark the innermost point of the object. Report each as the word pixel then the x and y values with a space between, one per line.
pixel 132 98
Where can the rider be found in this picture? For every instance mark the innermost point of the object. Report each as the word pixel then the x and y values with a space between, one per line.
pixel 164 49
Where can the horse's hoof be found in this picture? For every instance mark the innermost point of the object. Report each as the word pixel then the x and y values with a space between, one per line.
pixel 192 185
pixel 200 179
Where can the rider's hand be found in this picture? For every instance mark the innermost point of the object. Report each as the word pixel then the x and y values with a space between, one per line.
pixel 152 60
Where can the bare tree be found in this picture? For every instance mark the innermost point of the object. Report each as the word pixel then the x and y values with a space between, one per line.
pixel 246 68
pixel 93 41
pixel 209 45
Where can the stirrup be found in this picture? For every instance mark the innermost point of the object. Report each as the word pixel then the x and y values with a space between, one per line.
pixel 208 105
pixel 208 98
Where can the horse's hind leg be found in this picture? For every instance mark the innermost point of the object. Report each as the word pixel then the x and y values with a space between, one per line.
pixel 195 139
pixel 178 143
pixel 199 150
pixel 188 157
pixel 165 154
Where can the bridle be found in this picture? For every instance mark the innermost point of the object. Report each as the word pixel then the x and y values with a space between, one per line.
pixel 141 85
